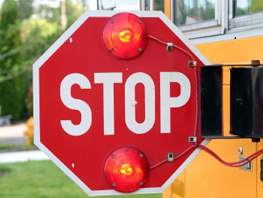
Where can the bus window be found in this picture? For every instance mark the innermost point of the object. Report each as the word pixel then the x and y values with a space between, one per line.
pixel 119 5
pixel 244 7
pixel 159 5
pixel 194 11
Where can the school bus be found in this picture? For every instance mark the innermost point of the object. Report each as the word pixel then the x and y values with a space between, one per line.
pixel 227 32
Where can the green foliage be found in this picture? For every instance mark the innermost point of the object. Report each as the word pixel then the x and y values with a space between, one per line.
pixel 26 9
pixel 9 14
pixel 12 86
pixel 48 13
pixel 252 7
pixel 73 12
pixel 52 15
pixel 39 34
pixel 22 41
pixel 12 97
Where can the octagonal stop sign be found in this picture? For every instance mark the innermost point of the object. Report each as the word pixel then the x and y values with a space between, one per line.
pixel 116 102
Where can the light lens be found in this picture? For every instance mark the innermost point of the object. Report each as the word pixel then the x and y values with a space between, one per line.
pixel 126 169
pixel 125 36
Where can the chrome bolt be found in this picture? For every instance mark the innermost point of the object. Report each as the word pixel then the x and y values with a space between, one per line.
pixel 240 150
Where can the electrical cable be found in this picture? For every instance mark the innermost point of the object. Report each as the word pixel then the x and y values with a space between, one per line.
pixel 210 152
pixel 175 46
pixel 207 150
pixel 197 101
pixel 232 164
pixel 176 157
pixel 196 80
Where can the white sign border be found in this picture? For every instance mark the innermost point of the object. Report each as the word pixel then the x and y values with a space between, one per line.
pixel 65 37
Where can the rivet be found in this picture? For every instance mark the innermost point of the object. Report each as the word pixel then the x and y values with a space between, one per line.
pixel 113 156
pixel 141 155
pixel 141 183
pixel 112 21
pixel 112 49
pixel 113 184
pixel 140 21
pixel 140 49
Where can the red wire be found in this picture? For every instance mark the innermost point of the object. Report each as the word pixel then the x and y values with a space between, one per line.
pixel 176 157
pixel 197 101
pixel 196 80
pixel 159 164
pixel 232 164
pixel 175 46
pixel 181 154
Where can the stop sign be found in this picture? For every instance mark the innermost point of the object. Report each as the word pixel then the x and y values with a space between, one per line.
pixel 116 102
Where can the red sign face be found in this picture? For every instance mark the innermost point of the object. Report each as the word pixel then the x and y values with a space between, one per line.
pixel 88 103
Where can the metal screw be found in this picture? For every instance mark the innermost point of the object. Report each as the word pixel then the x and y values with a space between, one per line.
pixel 240 150
pixel 140 49
pixel 141 183
pixel 113 184
pixel 112 21
pixel 113 156
pixel 141 155
pixel 140 21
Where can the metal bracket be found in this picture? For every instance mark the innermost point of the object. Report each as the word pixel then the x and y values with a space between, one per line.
pixel 247 167
pixel 170 156
pixel 192 63
pixel 192 139
pixel 169 47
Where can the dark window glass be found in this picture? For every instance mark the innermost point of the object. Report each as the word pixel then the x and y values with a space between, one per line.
pixel 159 5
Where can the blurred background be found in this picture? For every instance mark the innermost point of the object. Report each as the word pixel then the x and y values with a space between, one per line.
pixel 27 29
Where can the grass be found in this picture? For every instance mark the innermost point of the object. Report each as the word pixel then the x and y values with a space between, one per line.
pixel 5 147
pixel 42 179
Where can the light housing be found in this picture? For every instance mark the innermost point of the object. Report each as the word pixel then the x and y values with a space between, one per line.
pixel 126 169
pixel 125 36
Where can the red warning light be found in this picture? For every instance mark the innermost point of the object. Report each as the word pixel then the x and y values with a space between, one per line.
pixel 126 169
pixel 125 36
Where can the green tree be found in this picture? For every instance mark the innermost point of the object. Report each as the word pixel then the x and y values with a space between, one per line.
pixel 12 86
pixel 256 6
pixel 39 35
pixel 25 8
pixel 73 12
